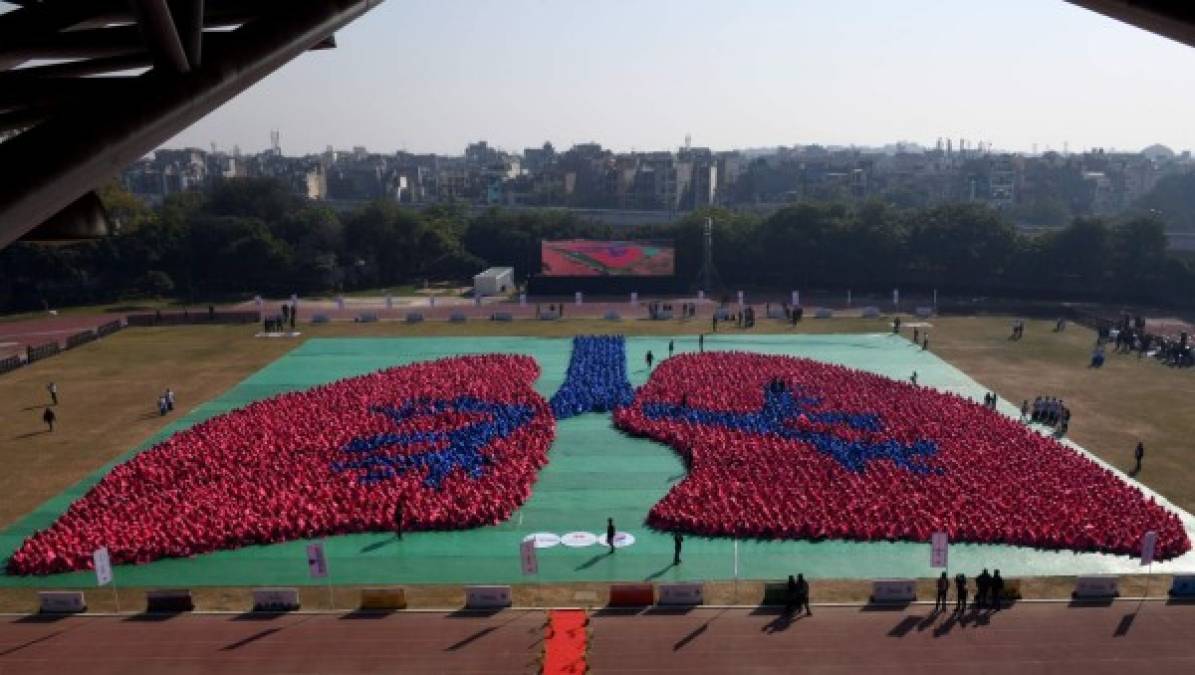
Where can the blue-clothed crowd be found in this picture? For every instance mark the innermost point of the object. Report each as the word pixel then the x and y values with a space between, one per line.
pixel 597 377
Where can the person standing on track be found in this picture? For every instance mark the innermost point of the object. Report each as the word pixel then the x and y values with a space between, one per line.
pixel 943 589
pixel 803 594
pixel 671 346
pixel 610 530
pixel 649 358
pixel 677 542
pixel 48 417
pixel 960 590
pixel 53 389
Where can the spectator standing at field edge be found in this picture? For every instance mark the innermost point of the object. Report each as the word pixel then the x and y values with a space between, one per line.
pixel 53 389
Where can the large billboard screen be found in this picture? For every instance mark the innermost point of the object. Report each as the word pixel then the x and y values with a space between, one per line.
pixel 590 258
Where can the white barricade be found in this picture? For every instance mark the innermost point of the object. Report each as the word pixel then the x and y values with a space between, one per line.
pixel 1183 586
pixel 612 316
pixel 871 312
pixel 663 315
pixel 925 312
pixel 1096 586
pixel 487 597
pixel 822 313
pixel 893 590
pixel 61 602
pixel 681 594
pixel 775 312
pixel 549 315
pixel 275 599
pixel 722 314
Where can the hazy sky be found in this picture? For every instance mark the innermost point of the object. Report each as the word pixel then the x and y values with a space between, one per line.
pixel 433 75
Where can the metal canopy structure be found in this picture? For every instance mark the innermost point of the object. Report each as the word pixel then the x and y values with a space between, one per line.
pixel 1174 19
pixel 78 120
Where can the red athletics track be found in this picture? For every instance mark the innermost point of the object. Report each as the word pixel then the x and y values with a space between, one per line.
pixel 1026 640
pixel 1031 638
pixel 16 335
pixel 406 642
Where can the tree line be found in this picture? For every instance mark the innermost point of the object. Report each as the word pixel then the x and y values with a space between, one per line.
pixel 252 236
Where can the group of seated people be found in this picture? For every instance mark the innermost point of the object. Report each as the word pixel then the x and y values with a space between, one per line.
pixel 296 466
pixel 1049 411
pixel 785 448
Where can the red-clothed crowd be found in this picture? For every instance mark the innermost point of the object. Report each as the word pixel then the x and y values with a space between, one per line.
pixel 266 473
pixel 990 480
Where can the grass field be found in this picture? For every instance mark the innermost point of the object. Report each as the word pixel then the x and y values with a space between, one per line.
pixel 108 390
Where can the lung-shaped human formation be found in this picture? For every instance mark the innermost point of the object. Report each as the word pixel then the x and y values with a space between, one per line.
pixel 458 442
pixel 779 447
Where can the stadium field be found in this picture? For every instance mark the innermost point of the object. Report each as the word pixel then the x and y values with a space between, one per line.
pixel 594 470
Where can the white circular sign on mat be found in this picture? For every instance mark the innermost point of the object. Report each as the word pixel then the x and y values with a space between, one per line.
pixel 621 540
pixel 543 539
pixel 579 539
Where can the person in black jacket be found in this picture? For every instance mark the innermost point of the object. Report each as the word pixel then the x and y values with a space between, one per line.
pixel 960 591
pixel 610 533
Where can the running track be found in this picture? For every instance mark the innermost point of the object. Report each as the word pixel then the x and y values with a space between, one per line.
pixel 1125 637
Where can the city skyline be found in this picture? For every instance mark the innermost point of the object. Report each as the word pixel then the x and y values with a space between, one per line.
pixel 431 77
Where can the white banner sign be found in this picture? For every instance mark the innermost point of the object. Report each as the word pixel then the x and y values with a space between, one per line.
pixel 939 549
pixel 893 590
pixel 522 299
pixel 317 565
pixel 895 296
pixel 795 298
pixel 1148 543
pixel 740 298
pixel 634 297
pixel 848 297
pixel 61 602
pixel 340 303
pixel 577 297
pixel 389 302
pixel 681 594
pixel 701 295
pixel 487 597
pixel 103 566
pixel 1096 586
pixel 527 553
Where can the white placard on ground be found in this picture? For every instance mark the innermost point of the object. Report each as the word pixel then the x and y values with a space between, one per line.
pixel 621 540
pixel 61 602
pixel 103 566
pixel 1096 586
pixel 275 599
pixel 487 597
pixel 543 539
pixel 317 564
pixel 579 539
pixel 681 594
pixel 893 590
